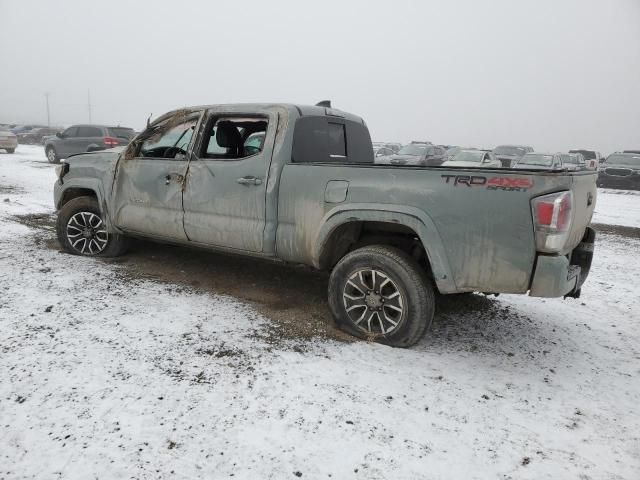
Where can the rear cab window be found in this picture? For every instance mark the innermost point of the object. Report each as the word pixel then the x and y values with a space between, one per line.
pixel 327 139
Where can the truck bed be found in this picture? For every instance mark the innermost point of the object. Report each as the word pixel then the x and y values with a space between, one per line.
pixel 476 224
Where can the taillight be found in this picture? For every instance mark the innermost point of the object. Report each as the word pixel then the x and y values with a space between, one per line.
pixel 552 220
pixel 110 142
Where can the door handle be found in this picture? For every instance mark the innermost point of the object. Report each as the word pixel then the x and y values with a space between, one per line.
pixel 249 181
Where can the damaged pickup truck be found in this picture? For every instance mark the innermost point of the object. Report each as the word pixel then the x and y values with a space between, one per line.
pixel 299 184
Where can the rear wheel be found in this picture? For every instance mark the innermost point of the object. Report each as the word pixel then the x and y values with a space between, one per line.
pixel 52 156
pixel 380 293
pixel 82 231
pixel 11 150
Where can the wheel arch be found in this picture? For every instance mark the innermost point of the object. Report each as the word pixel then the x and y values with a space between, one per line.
pixel 343 226
pixel 75 192
pixel 78 187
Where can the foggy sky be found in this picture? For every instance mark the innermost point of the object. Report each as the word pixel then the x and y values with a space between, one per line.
pixel 554 74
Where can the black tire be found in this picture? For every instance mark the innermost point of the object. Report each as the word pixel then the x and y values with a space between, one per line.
pixel 406 276
pixel 11 150
pixel 52 155
pixel 113 246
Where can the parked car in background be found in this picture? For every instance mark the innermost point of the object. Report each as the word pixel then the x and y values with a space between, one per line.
pixel 85 138
pixel 35 135
pixel 473 158
pixel 575 161
pixel 8 140
pixel 510 154
pixel 620 170
pixel 395 147
pixel 631 151
pixel 382 151
pixel 591 158
pixel 452 151
pixel 551 161
pixel 417 154
pixel 24 128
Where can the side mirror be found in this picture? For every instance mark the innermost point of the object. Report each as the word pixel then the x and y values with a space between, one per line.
pixel 60 135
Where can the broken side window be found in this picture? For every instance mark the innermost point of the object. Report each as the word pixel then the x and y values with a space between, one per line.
pixel 234 137
pixel 169 139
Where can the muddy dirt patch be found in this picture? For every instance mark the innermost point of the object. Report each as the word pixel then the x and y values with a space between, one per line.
pixel 631 232
pixel 11 190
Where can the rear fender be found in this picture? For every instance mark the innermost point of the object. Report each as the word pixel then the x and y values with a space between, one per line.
pixel 411 217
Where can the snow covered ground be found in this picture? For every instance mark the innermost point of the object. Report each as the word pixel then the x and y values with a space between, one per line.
pixel 106 375
pixel 618 207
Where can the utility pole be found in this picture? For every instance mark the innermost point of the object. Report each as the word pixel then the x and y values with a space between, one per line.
pixel 89 103
pixel 46 96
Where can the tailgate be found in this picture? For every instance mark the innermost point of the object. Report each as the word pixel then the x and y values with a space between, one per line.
pixel 585 192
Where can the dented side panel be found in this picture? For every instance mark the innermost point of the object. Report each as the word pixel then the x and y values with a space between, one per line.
pixel 147 197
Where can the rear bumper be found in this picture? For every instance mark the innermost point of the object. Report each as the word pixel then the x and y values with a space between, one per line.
pixel 8 143
pixel 562 276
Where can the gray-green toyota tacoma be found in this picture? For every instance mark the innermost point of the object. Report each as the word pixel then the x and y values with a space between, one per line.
pixel 298 184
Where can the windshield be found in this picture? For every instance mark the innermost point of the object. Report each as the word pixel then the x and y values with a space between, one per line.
pixel 412 149
pixel 587 154
pixel 469 156
pixel 505 150
pixel 536 159
pixel 627 160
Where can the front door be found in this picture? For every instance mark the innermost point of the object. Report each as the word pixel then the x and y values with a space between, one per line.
pixel 64 146
pixel 147 197
pixel 225 192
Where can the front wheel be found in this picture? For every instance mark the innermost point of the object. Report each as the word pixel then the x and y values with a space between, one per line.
pixel 81 230
pixel 11 150
pixel 52 156
pixel 380 293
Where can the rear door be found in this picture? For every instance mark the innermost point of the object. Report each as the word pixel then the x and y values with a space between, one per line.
pixel 147 197
pixel 225 192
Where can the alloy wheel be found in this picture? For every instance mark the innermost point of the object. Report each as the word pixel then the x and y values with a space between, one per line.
pixel 87 233
pixel 373 301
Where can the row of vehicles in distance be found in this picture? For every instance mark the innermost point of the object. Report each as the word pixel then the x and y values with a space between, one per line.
pixel 618 170
pixel 422 153
pixel 31 134
pixel 61 143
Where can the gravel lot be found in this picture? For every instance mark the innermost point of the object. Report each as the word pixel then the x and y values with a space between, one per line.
pixel 178 363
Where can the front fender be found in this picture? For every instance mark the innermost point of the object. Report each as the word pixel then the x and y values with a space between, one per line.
pixel 411 217
pixel 92 184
